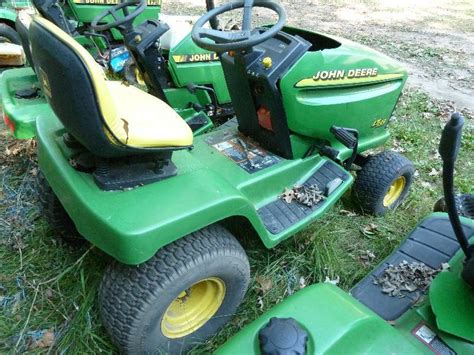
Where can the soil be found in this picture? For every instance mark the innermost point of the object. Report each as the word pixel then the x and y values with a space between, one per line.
pixel 435 40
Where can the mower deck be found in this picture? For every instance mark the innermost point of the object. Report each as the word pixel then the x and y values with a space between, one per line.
pixel 215 181
pixel 433 243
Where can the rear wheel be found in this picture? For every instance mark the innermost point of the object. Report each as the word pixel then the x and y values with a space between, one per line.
pixel 8 34
pixel 54 213
pixel 177 299
pixel 383 183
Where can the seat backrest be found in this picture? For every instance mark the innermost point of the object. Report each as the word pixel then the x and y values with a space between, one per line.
pixel 75 86
pixel 22 24
pixel 52 11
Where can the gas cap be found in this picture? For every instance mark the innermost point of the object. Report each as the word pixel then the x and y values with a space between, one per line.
pixel 283 336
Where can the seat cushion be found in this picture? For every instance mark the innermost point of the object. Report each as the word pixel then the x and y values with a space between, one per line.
pixel 146 120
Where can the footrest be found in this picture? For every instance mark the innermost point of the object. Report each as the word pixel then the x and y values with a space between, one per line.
pixel 279 215
pixel 433 243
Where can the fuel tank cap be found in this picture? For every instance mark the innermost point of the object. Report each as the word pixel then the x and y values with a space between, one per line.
pixel 283 336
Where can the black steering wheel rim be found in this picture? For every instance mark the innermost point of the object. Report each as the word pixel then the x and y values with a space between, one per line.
pixel 232 41
pixel 119 21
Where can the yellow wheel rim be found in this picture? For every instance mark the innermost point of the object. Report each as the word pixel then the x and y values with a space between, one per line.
pixel 395 191
pixel 193 308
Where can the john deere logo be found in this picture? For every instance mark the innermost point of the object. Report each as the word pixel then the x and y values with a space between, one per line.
pixel 45 83
pixel 196 58
pixel 342 77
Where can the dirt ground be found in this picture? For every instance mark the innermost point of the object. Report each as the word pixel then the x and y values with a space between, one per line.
pixel 434 39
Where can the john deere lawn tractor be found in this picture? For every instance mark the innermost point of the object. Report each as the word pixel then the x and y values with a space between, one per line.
pixel 323 319
pixel 137 184
pixel 161 53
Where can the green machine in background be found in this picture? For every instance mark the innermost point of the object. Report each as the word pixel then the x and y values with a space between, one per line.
pixel 123 168
pixel 323 319
pixel 8 13
pixel 164 59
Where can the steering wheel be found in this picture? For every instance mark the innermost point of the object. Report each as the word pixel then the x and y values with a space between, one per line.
pixel 225 41
pixel 119 19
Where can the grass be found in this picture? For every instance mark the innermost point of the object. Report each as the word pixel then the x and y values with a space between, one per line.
pixel 48 291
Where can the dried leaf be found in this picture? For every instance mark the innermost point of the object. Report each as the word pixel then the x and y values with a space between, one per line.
pixel 302 282
pixel 45 339
pixel 434 172
pixel 370 230
pixel 348 213
pixel 334 282
pixel 406 277
pixel 265 284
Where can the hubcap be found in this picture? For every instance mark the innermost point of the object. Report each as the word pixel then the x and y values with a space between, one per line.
pixel 395 191
pixel 193 308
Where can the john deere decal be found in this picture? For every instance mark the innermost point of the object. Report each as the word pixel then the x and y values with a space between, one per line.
pixel 196 58
pixel 341 77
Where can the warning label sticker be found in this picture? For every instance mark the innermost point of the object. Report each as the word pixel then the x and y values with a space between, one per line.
pixel 243 151
pixel 428 337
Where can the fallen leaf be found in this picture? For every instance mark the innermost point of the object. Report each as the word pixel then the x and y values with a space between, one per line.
pixel 348 213
pixel 434 172
pixel 302 282
pixel 46 340
pixel 334 282
pixel 370 230
pixel 265 284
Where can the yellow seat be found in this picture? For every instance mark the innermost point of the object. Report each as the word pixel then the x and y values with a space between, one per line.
pixel 131 117
pixel 145 120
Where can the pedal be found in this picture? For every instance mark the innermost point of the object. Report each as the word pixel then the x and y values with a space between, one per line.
pixel 349 137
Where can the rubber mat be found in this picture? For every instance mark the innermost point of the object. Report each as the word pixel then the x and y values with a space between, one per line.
pixel 279 215
pixel 433 243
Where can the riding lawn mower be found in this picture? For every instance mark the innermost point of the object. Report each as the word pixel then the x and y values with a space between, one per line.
pixel 156 55
pixel 127 172
pixel 439 318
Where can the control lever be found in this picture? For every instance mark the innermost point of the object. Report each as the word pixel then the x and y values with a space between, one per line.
pixel 192 88
pixel 349 137
pixel 449 150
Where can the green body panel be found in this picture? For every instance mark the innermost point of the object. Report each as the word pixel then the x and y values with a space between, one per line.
pixel 457 317
pixel 189 63
pixel 336 324
pixel 23 113
pixel 7 14
pixel 8 10
pixel 339 324
pixel 365 103
pixel 85 13
pixel 132 225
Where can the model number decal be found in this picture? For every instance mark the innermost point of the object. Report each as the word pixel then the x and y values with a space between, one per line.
pixel 379 123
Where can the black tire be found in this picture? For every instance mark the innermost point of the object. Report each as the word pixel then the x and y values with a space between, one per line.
pixel 8 34
pixel 54 213
pixel 377 176
pixel 134 300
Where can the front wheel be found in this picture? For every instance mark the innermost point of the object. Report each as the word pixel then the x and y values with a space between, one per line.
pixel 177 299
pixel 383 183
